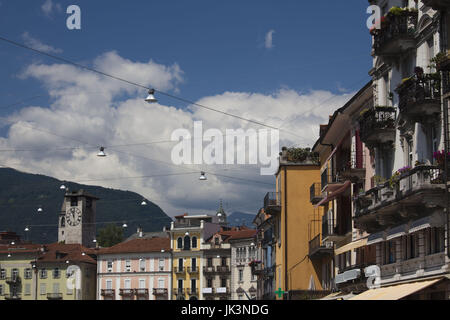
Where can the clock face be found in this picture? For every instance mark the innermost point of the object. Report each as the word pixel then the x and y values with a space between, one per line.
pixel 73 216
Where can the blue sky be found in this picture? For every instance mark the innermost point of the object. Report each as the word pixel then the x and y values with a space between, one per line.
pixel 218 44
pixel 218 53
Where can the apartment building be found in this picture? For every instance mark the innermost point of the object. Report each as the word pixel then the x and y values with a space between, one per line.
pixel 137 269
pixel 187 233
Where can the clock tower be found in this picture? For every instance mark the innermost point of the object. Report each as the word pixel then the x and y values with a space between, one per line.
pixel 76 221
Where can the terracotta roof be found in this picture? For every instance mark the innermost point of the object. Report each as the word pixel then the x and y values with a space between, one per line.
pixel 140 245
pixel 236 233
pixel 19 248
pixel 60 252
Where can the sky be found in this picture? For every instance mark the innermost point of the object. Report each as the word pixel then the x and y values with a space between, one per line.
pixel 288 64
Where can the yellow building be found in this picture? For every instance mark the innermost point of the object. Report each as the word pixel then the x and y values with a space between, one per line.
pixel 187 233
pixel 47 272
pixel 295 273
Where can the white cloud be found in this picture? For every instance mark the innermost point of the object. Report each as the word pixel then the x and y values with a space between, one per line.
pixel 48 6
pixel 269 39
pixel 38 45
pixel 100 111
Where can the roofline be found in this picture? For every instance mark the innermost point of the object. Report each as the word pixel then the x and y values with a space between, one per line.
pixel 340 110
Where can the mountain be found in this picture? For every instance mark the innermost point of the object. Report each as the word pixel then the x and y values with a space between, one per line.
pixel 21 194
pixel 240 218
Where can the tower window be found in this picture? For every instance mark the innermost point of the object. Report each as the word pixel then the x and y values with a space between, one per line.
pixel 73 201
pixel 63 222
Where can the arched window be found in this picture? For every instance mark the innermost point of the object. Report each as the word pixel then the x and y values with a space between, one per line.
pixel 187 243
pixel 63 222
pixel 194 242
pixel 179 243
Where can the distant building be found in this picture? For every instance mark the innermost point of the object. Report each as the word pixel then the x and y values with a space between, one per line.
pixel 136 269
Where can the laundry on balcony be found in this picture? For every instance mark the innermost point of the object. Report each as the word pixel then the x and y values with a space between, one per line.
pixel 376 238
pixel 397 232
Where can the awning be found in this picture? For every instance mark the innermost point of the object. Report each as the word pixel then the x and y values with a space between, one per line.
pixel 397 232
pixel 334 194
pixel 427 222
pixel 396 292
pixel 350 246
pixel 375 238
pixel 338 296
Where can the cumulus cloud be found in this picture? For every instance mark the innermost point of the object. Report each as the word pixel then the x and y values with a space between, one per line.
pixel 48 7
pixel 38 45
pixel 88 111
pixel 269 39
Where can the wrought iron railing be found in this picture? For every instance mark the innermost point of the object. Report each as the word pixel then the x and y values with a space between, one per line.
pixel 272 200
pixel 376 119
pixel 160 291
pixel 419 90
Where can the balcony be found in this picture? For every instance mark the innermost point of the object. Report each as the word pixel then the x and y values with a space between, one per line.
pixel 272 202
pixel 352 279
pixel 437 4
pixel 160 291
pixel 377 125
pixel 126 292
pixel 420 97
pixel 209 269
pixel 207 291
pixel 355 168
pixel 410 195
pixel 141 292
pixel 179 291
pixel 192 270
pixel 331 230
pixel 315 192
pixel 222 291
pixel 317 250
pixel 396 34
pixel 222 269
pixel 179 270
pixel 54 296
pixel 192 291
pixel 108 292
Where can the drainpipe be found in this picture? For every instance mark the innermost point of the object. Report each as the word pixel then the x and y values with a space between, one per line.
pixel 285 234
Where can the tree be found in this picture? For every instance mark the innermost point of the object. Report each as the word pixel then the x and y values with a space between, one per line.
pixel 110 235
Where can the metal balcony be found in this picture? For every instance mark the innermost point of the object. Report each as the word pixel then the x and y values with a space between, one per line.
pixel 108 292
pixel 315 192
pixel 126 292
pixel 397 35
pixel 192 291
pixel 355 168
pixel 160 291
pixel 179 270
pixel 415 193
pixel 192 270
pixel 420 97
pixel 141 292
pixel 222 269
pixel 54 296
pixel 317 250
pixel 178 291
pixel 209 269
pixel 331 230
pixel 272 202
pixel 377 125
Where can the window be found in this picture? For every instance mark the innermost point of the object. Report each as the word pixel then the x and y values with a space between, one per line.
pixel 127 284
pixel 194 264
pixel 63 222
pixel 161 283
pixel 390 251
pixel 179 243
pixel 128 266
pixel 194 242
pixel 27 273
pixel 1 289
pixel 209 282
pixel 27 289
pixel 209 262
pixel 43 289
pixel 180 283
pixel 180 264
pixel 15 273
pixel 2 274
pixel 109 265
pixel 187 243
pixel 141 283
pixel 108 284
pixel 73 201
pixel 161 264
pixel 223 282
pixel 56 288
pixel 224 261
pixel 43 274
pixel 241 275
pixel 193 284
pixel 216 241
pixel 240 297
pixel 142 264
pixel 56 273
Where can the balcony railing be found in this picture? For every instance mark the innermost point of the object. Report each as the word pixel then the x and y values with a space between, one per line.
pixel 185 223
pixel 126 292
pixel 141 292
pixel 208 269
pixel 160 291
pixel 222 290
pixel 108 292
pixel 396 34
pixel 317 250
pixel 315 192
pixel 331 230
pixel 179 269
pixel 377 125
pixel 178 291
pixel 420 97
pixel 222 269
pixel 414 189
pixel 355 168
pixel 12 296
pixel 272 202
pixel 192 269
pixel 54 296
pixel 193 291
